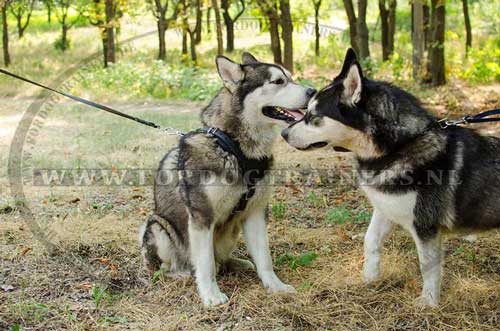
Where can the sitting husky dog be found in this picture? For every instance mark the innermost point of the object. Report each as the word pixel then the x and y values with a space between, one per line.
pixel 424 178
pixel 195 225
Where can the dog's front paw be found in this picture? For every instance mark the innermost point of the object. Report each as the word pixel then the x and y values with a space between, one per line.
pixel 274 285
pixel 281 288
pixel 426 301
pixel 214 298
pixel 370 275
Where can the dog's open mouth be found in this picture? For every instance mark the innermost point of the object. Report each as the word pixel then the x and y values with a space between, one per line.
pixel 318 144
pixel 283 114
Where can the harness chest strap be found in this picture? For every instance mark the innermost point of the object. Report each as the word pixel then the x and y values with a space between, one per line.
pixel 253 170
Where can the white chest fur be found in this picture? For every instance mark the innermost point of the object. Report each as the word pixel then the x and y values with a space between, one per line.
pixel 398 208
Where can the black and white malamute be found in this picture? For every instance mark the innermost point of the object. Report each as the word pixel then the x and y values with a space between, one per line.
pixel 196 223
pixel 417 175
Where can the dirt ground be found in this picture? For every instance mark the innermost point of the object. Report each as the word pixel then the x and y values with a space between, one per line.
pixel 93 279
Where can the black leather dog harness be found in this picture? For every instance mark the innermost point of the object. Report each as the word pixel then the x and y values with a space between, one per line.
pixel 253 170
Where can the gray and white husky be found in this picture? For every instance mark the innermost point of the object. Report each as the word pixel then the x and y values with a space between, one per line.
pixel 417 175
pixel 194 226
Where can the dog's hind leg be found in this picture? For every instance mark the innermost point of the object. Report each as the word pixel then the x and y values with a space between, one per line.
pixel 255 232
pixel 148 249
pixel 201 242
pixel 226 238
pixel 378 229
pixel 430 256
pixel 158 249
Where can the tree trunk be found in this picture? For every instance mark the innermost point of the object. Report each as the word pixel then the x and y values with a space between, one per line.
pixel 64 37
pixel 192 42
pixel 436 50
pixel 209 28
pixel 230 36
pixel 184 42
pixel 392 25
pixel 317 5
pixel 287 34
pixel 228 22
pixel 417 38
pixel 362 30
pixel 197 29
pixel 110 32
pixel 353 29
pixel 427 26
pixel 20 31
pixel 275 38
pixel 162 27
pixel 5 36
pixel 388 19
pixel 105 50
pixel 220 45
pixel 468 29
pixel 49 12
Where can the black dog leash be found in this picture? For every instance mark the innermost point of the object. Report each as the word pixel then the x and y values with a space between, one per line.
pixel 169 130
pixel 468 119
pixel 253 169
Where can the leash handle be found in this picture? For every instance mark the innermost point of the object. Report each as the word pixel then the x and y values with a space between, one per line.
pixel 93 104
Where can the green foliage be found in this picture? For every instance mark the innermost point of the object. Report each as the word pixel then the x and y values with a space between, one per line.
pixel 69 315
pixel 293 261
pixel 278 210
pixel 339 215
pixel 157 275
pixel 343 214
pixel 484 62
pixel 313 199
pixel 98 294
pixel 160 80
pixel 30 310
pixel 468 253
pixel 62 45
pixel 363 215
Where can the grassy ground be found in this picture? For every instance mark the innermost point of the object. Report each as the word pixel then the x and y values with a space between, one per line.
pixel 94 279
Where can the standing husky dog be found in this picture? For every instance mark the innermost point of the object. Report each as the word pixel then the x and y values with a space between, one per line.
pixel 426 179
pixel 195 225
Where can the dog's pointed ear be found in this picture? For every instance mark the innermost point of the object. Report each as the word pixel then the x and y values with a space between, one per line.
pixel 352 77
pixel 230 72
pixel 247 58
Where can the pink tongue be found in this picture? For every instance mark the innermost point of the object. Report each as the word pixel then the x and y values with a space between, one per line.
pixel 297 114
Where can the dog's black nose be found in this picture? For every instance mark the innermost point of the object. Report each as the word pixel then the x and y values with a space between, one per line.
pixel 310 92
pixel 284 133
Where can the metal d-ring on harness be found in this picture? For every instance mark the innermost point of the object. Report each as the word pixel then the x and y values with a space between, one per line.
pixel 252 170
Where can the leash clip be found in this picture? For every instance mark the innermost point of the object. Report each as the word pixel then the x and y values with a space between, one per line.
pixel 446 123
pixel 212 130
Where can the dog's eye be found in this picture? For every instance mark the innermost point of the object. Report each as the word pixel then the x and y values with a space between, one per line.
pixel 278 81
pixel 316 121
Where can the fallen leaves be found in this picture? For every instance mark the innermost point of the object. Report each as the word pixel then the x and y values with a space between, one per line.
pixel 113 267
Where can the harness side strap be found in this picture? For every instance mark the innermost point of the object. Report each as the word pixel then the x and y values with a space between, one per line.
pixel 84 101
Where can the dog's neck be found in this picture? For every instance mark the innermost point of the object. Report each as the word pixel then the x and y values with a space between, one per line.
pixel 404 160
pixel 256 141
